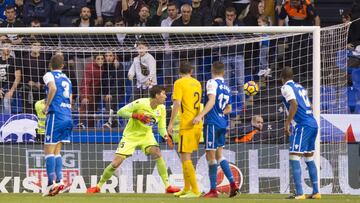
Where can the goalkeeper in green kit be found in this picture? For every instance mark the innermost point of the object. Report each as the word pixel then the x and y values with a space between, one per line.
pixel 142 114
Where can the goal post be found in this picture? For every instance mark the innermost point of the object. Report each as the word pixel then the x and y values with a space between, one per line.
pixel 95 145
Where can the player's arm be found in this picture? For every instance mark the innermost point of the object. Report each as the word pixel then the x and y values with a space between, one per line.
pixel 128 112
pixel 177 97
pixel 16 82
pixel 162 122
pixel 292 110
pixel 162 127
pixel 49 81
pixel 289 95
pixel 174 112
pixel 211 87
pixel 228 109
pixel 71 99
pixel 208 106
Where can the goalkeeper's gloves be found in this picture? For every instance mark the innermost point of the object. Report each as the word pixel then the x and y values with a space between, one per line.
pixel 141 117
pixel 169 141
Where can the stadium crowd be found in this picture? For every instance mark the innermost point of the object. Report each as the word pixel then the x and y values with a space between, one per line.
pixel 101 80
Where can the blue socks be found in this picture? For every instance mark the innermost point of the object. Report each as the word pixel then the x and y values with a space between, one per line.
pixel 212 174
pixel 58 168
pixel 227 171
pixel 296 171
pixel 313 175
pixel 50 168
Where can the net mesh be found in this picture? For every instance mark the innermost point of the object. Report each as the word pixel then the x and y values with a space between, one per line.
pixel 107 71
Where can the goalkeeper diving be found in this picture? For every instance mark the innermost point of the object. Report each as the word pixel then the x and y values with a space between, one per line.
pixel 142 114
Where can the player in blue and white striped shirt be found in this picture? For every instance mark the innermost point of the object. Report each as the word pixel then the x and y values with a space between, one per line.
pixel 58 122
pixel 217 106
pixel 303 136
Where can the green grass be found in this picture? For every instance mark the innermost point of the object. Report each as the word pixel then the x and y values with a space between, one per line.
pixel 162 198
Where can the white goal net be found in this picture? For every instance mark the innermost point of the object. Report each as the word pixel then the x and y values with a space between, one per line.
pixel 107 71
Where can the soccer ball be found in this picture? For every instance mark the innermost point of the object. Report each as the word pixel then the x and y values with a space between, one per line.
pixel 251 88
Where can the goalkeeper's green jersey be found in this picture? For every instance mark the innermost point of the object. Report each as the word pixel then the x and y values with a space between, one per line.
pixel 135 127
pixel 39 106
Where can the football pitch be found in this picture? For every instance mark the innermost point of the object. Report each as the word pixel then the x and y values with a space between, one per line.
pixel 162 198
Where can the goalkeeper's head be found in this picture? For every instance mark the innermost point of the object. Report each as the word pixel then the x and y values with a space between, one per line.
pixel 158 94
pixel 286 74
pixel 57 62
pixel 217 69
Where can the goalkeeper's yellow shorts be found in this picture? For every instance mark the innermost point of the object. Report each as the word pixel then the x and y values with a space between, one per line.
pixel 189 140
pixel 128 144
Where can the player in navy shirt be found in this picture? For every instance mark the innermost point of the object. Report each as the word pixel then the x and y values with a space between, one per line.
pixel 58 122
pixel 303 136
pixel 218 105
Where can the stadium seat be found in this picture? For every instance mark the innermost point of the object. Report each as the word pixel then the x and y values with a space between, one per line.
pixel 341 59
pixel 352 93
pixel 355 76
pixel 327 98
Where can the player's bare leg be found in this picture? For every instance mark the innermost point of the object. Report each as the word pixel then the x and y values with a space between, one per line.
pixel 189 177
pixel 212 163
pixel 309 160
pixel 234 189
pixel 155 154
pixel 108 172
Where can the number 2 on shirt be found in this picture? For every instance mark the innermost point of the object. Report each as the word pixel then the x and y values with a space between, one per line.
pixel 196 104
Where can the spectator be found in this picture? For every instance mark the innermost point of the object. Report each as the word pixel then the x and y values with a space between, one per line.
pixel 240 5
pixel 172 13
pixel 232 56
pixel 44 39
pixel 145 20
pixel 105 10
pixel 114 39
pixel 154 6
pixel 253 11
pixel 201 12
pixel 9 79
pixel 144 69
pixel 3 5
pixel 40 9
pixel 129 10
pixel 300 13
pixel 40 129
pixel 33 67
pixel 90 90
pixel 264 69
pixel 186 19
pixel 168 67
pixel 230 18
pixel 11 21
pixel 354 30
pixel 85 19
pixel 257 123
pixel 217 9
pixel 108 23
pixel 113 86
pixel 67 11
pixel 353 39
pixel 19 5
pixel 82 58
